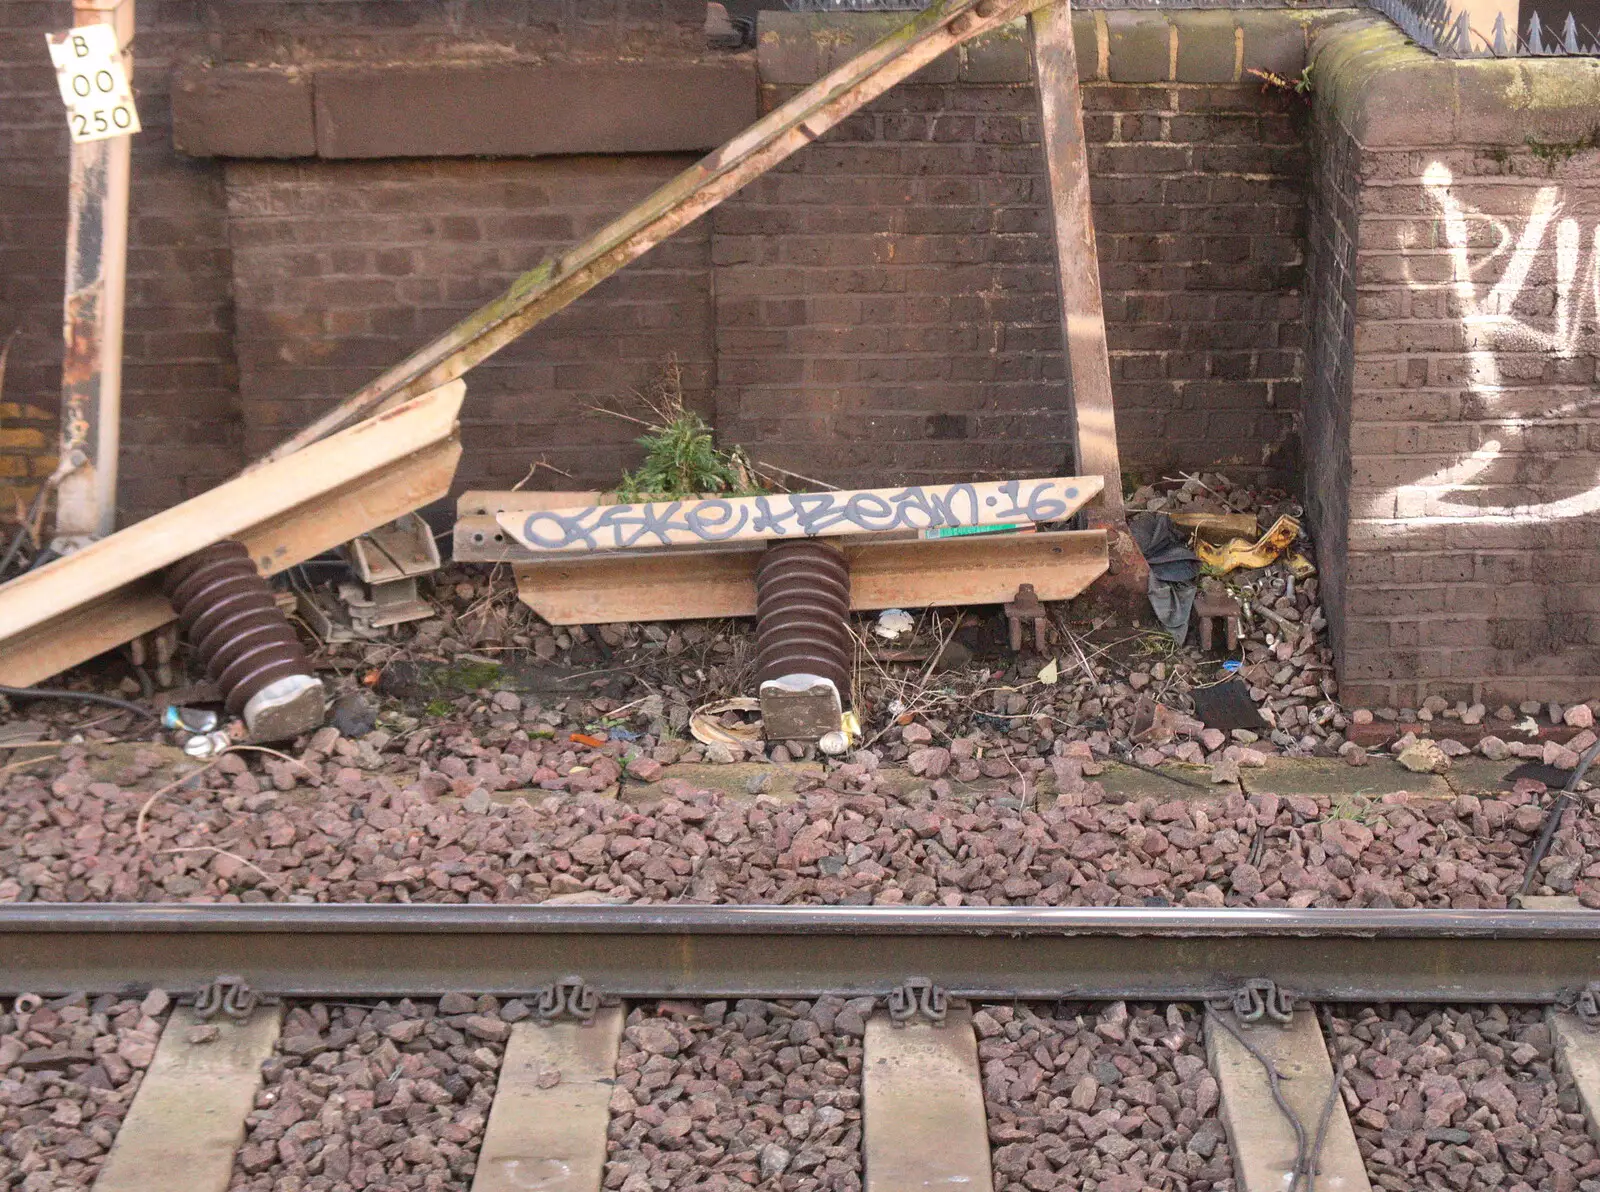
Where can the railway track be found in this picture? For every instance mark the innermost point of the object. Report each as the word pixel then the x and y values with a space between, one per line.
pixel 580 1048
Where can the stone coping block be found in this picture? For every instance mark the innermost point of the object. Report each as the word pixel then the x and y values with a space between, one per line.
pixel 1389 94
pixel 463 109
pixel 795 49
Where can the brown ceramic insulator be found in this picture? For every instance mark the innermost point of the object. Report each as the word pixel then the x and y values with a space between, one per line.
pixel 226 610
pixel 803 613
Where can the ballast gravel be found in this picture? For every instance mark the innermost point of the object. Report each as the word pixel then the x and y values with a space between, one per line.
pixel 477 837
pixel 732 1097
pixel 389 1095
pixel 69 1068
pixel 1464 1100
pixel 1115 1097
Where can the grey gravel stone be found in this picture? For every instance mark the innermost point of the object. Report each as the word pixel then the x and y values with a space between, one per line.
pixel 1462 1099
pixel 60 1114
pixel 394 1097
pixel 760 1095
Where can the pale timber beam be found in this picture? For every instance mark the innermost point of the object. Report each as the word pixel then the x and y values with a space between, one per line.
pixel 110 592
pixel 1083 320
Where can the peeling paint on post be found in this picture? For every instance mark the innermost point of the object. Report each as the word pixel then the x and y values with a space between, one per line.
pixel 91 375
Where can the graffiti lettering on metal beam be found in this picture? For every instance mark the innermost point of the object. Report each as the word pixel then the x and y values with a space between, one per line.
pixel 800 515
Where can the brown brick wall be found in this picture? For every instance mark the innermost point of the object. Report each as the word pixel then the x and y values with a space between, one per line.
pixel 342 269
pixel 885 305
pixel 184 424
pixel 887 298
pixel 1471 426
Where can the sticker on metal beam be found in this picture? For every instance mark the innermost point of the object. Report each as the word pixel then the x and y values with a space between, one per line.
pixel 94 83
pixel 799 515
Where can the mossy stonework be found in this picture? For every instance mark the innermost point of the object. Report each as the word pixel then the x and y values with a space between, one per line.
pixel 1451 417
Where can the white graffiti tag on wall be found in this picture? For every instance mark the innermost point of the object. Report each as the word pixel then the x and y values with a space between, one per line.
pixel 1492 328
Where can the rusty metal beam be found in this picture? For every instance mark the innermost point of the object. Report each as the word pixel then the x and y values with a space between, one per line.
pixel 1088 953
pixel 97 263
pixel 559 281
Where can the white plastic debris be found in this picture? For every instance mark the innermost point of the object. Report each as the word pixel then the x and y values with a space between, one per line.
pixel 893 624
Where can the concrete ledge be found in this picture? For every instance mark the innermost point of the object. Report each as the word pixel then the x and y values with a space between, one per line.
pixel 243 112
pixel 501 109
pixel 1117 46
pixel 1391 95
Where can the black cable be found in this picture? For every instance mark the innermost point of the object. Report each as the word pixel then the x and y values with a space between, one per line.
pixel 1553 818
pixel 22 530
pixel 87 697
pixel 1325 1016
pixel 1300 1149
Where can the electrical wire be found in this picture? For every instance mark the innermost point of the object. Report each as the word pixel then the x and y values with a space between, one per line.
pixel 1553 818
pixel 1307 1152
pixel 87 697
pixel 22 530
pixel 1300 1146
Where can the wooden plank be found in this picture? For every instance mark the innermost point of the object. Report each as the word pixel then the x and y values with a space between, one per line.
pixel 552 1138
pixel 1083 322
pixel 1262 1140
pixel 1578 1055
pixel 922 1112
pixel 557 282
pixel 798 515
pixel 187 1119
pixel 278 543
pixel 226 511
pixel 684 585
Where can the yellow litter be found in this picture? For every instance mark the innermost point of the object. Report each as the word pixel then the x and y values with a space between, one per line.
pixel 1299 566
pixel 1230 556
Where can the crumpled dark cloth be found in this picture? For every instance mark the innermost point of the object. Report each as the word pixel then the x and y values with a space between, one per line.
pixel 1174 567
pixel 1165 548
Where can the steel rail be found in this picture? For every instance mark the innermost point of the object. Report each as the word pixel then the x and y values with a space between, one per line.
pixel 799 951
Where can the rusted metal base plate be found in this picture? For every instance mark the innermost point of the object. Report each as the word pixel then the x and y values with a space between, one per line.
pixel 1263 1141
pixel 547 1128
pixel 922 1106
pixel 684 585
pixel 187 1119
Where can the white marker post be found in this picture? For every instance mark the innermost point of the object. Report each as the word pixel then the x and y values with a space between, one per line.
pixel 93 73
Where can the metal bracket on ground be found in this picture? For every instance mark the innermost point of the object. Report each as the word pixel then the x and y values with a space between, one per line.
pixel 1586 1006
pixel 1259 1000
pixel 917 997
pixel 230 994
pixel 570 998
